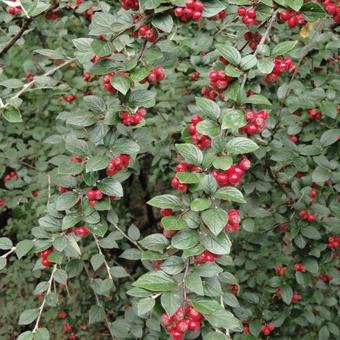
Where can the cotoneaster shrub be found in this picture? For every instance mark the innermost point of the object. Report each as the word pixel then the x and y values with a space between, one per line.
pixel 170 169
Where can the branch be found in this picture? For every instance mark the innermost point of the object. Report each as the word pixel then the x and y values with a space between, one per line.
pixel 128 238
pixel 9 252
pixel 24 28
pixel 101 253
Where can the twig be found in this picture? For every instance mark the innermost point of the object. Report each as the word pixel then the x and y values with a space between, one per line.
pixel 9 252
pixel 184 278
pixel 101 253
pixel 128 238
pixel 107 321
pixel 41 308
pixel 49 189
pixel 31 83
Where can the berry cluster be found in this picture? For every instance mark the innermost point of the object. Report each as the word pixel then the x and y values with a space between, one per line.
pixel 306 216
pixel 192 11
pixel 88 77
pixel 292 18
pixel 184 319
pixel 253 39
pixel 148 33
pixel 81 231
pixel 299 267
pixel 130 4
pixel 155 76
pixel 69 98
pixel 257 122
pixel 14 10
pixel 280 65
pixel 44 257
pixel 267 329
pixel 248 15
pixel 183 167
pixel 106 84
pixel 132 119
pixel 12 175
pixel 333 242
pixel 219 81
pixel 233 220
pixel 94 195
pixel 195 75
pixel 333 8
pixel 176 184
pixel 205 257
pixel 210 93
pixel 314 114
pixel 233 175
pixel 202 141
pixel 280 270
pixel 117 163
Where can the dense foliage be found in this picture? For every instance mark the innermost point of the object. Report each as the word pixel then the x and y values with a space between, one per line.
pixel 169 169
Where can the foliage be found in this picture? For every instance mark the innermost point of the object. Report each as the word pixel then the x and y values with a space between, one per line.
pixel 167 172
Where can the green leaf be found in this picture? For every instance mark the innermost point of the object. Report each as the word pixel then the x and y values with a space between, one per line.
pixel 171 301
pixel 5 243
pixel 311 265
pixel 166 201
pixel 330 137
pixel 173 265
pixel 188 177
pixel 215 219
pixel 110 187
pixel 208 107
pixel 194 283
pixel 155 281
pixel 206 306
pixel 145 305
pixel 200 204
pixel 164 23
pixel 97 260
pixel 265 65
pixel 232 119
pixel 230 194
pixel 257 100
pixel 230 53
pixel 312 11
pixel 51 54
pixel 191 153
pixel 101 48
pixel 95 103
pixel 28 316
pixel 173 223
pixel 283 48
pixel 311 233
pixel 216 244
pixel 241 145
pixel 212 8
pixel 185 239
pixel 214 336
pixel 70 168
pixel 96 163
pixel 208 127
pixel 23 247
pixel 3 262
pixel 294 4
pixel 28 335
pixel 287 294
pixel 144 98
pixel 224 319
pixel 42 334
pixel 248 62
pixel 67 200
pixel 96 314
pixel 121 84
pixel 223 162
pixel 156 242
pixel 12 114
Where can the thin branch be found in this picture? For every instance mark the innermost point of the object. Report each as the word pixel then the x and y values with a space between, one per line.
pixel 41 308
pixel 128 238
pixel 9 252
pixel 101 253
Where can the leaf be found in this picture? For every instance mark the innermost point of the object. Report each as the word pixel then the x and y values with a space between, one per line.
pixel 241 145
pixel 287 294
pixel 173 223
pixel 67 200
pixel 173 265
pixel 110 187
pixel 101 48
pixel 230 194
pixel 248 62
pixel 70 168
pixel 230 53
pixel 312 11
pixel 194 283
pixel 191 153
pixel 283 48
pixel 51 54
pixel 145 305
pixel 12 114
pixel 171 301
pixel 166 201
pixel 164 23
pixel 257 100
pixel 97 260
pixel 311 265
pixel 3 262
pixel 214 336
pixel 212 8
pixel 28 316
pixel 294 4
pixel 215 219
pixel 232 119
pixel 95 103
pixel 185 239
pixel 200 204
pixel 208 107
pixel 311 233
pixel 188 177
pixel 220 244
pixel 265 65
pixel 5 243
pixel 23 247
pixel 223 162
pixel 155 281
pixel 206 306
pixel 96 163
pixel 96 314
pixel 224 319
pixel 28 335
pixel 156 242
pixel 208 127
pixel 330 137
pixel 121 84
pixel 144 98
